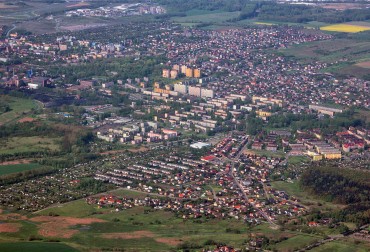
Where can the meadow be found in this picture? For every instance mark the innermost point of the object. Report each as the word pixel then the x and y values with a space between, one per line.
pixel 139 229
pixel 298 159
pixel 8 169
pixel 18 108
pixel 339 246
pixel 21 145
pixel 294 189
pixel 353 51
pixel 206 17
pixel 35 247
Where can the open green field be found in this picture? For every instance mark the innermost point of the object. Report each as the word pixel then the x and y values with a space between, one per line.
pixel 208 17
pixel 363 114
pixel 145 229
pixel 35 247
pixel 15 145
pixel 339 246
pixel 293 189
pixel 278 154
pixel 350 50
pixel 8 169
pixel 298 159
pixel 18 108
pixel 330 50
pixel 296 242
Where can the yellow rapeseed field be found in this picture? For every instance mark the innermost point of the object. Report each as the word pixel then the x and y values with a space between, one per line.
pixel 263 23
pixel 345 28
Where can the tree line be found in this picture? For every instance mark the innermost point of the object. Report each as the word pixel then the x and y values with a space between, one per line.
pixel 342 186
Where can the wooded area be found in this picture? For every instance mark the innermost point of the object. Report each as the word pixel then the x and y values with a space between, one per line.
pixel 342 186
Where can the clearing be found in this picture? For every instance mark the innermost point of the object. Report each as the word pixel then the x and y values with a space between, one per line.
pixel 18 108
pixel 19 145
pixel 293 189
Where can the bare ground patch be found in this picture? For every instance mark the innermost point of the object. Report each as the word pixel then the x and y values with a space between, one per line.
pixel 143 234
pixel 15 162
pixel 82 4
pixel 59 226
pixel 9 227
pixel 169 241
pixel 365 64
pixel 26 119
pixel 12 216
pixel 131 235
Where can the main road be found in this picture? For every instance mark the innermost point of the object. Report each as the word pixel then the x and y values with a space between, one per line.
pixel 231 173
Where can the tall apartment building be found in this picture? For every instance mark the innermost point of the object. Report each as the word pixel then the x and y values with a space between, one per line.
pixel 207 93
pixel 181 88
pixel 166 73
pixel 183 69
pixel 197 73
pixel 189 73
pixel 195 91
pixel 173 74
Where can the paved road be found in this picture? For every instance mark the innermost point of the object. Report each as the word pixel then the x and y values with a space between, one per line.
pixel 231 173
pixel 8 33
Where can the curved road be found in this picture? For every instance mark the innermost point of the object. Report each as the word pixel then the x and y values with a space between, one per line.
pixel 8 33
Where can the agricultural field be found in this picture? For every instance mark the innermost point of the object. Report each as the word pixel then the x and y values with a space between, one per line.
pixel 8 169
pixel 346 27
pixel 19 145
pixel 18 108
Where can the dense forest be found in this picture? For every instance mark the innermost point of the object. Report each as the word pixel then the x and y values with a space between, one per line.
pixel 265 10
pixel 125 68
pixel 303 14
pixel 342 186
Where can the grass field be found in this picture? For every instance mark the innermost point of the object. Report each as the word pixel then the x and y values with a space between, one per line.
pixel 28 144
pixel 335 50
pixel 144 229
pixel 345 28
pixel 296 242
pixel 209 17
pixel 160 230
pixel 18 107
pixel 8 169
pixel 278 154
pixel 293 189
pixel 338 246
pixel 363 114
pixel 298 159
pixel 35 247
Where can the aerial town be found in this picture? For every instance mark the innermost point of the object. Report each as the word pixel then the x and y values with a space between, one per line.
pixel 119 133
